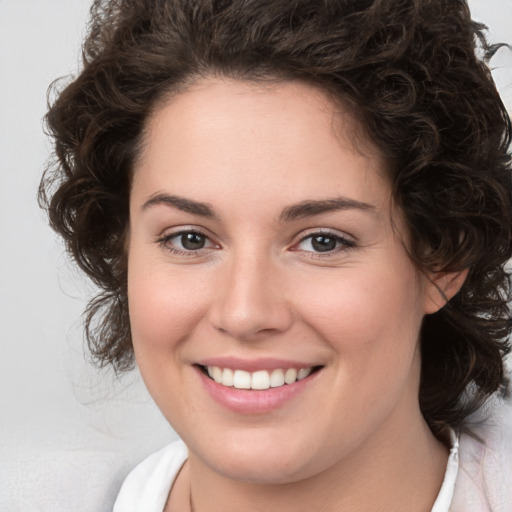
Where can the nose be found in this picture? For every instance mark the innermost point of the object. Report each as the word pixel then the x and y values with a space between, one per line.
pixel 250 302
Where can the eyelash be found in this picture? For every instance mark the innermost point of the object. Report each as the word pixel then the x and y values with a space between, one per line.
pixel 164 241
pixel 343 244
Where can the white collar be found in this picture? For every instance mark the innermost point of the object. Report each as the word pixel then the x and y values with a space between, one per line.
pixel 444 498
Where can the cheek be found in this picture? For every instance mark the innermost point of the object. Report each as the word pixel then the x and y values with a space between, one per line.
pixel 165 308
pixel 370 314
pixel 164 305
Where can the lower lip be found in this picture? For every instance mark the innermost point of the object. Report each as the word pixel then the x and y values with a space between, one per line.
pixel 257 401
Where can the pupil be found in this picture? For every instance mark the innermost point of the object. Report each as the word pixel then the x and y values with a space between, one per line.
pixel 192 241
pixel 323 243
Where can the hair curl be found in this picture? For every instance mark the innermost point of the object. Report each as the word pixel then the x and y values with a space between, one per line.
pixel 412 72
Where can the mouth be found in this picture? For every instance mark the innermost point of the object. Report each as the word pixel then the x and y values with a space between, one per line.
pixel 259 380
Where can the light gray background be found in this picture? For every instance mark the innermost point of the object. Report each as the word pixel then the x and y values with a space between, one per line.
pixel 69 433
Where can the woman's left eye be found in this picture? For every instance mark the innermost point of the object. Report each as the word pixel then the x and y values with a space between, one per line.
pixel 323 243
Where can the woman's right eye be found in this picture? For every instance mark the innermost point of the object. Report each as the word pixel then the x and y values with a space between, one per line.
pixel 184 242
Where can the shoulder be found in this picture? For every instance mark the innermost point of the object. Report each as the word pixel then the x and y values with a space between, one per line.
pixel 147 486
pixel 484 481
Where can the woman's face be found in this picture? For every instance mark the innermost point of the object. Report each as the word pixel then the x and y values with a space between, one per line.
pixel 261 248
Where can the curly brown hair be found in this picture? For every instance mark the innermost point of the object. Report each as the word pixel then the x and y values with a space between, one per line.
pixel 415 74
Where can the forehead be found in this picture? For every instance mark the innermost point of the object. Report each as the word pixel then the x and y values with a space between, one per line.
pixel 211 100
pixel 242 139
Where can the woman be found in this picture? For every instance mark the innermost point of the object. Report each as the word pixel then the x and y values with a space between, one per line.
pixel 299 215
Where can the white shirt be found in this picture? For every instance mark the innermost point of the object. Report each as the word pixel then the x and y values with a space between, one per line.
pixel 478 475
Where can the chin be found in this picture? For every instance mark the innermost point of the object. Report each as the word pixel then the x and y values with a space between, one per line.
pixel 257 469
pixel 261 459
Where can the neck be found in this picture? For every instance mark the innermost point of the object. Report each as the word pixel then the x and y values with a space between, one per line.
pixel 400 472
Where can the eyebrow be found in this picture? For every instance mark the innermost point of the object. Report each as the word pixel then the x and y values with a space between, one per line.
pixel 181 203
pixel 310 208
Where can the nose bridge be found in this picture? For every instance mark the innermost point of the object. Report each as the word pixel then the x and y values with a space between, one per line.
pixel 250 300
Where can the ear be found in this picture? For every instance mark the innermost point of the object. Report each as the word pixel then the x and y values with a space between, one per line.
pixel 441 287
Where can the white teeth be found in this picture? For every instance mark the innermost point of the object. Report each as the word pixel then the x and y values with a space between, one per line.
pixel 277 378
pixel 216 374
pixel 227 377
pixel 303 373
pixel 290 376
pixel 242 379
pixel 259 380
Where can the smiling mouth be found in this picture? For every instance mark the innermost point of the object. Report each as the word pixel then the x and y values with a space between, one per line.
pixel 258 380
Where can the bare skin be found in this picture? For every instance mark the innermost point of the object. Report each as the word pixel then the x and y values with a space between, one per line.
pixel 417 484
pixel 294 257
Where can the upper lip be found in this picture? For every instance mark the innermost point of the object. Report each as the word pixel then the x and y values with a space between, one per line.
pixel 252 365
